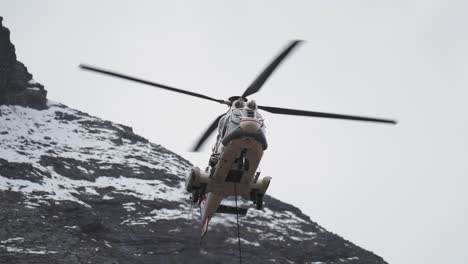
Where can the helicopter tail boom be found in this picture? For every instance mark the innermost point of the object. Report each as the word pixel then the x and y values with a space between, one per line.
pixel 209 205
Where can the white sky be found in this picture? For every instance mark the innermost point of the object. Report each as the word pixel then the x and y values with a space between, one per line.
pixel 400 191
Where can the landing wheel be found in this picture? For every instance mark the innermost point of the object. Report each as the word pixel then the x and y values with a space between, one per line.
pixel 259 202
pixel 195 196
pixel 253 196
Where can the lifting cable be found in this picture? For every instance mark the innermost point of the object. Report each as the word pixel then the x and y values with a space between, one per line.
pixel 190 213
pixel 238 229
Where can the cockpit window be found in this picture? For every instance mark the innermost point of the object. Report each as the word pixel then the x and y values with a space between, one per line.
pixel 248 113
pixel 245 113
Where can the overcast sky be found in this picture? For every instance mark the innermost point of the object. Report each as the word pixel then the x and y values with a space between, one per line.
pixel 400 191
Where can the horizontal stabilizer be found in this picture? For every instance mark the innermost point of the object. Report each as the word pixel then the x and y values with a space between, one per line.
pixel 225 209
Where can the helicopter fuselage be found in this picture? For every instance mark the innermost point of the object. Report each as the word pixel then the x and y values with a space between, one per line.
pixel 233 165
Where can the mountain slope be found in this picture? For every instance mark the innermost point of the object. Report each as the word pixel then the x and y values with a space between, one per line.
pixel 78 189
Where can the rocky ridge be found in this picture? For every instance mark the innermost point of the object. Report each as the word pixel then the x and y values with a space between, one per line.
pixel 17 86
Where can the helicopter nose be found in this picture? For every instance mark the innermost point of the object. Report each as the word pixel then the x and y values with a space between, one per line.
pixel 249 125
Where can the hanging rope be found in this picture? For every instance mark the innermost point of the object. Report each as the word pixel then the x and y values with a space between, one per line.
pixel 190 213
pixel 238 229
pixel 199 206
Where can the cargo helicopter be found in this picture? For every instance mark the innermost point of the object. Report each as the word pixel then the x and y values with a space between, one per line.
pixel 241 141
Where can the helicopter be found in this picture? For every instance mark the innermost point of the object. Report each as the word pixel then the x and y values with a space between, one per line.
pixel 240 143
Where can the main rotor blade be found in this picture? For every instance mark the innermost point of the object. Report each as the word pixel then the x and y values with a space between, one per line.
pixel 286 111
pixel 258 83
pixel 126 77
pixel 207 133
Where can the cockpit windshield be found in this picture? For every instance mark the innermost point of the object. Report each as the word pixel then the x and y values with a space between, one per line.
pixel 245 113
pixel 248 113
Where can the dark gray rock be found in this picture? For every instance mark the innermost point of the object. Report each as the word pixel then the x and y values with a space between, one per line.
pixel 20 170
pixel 16 87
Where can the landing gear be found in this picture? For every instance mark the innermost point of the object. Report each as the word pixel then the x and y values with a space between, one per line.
pixel 197 193
pixel 195 196
pixel 259 202
pixel 242 162
pixel 257 199
pixel 238 168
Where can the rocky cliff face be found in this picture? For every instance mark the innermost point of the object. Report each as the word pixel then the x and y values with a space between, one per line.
pixel 17 86
pixel 78 189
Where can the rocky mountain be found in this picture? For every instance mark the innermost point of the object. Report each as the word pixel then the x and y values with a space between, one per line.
pixel 16 83
pixel 78 189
